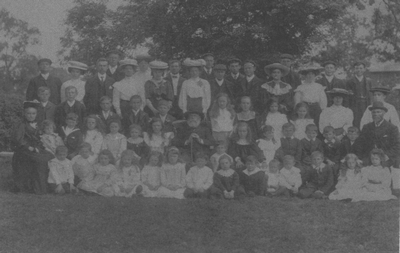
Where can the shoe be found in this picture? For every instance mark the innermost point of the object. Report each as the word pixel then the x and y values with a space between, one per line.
pixel 139 189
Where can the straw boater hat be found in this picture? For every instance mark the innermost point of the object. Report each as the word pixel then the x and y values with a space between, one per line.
pixel 158 65
pixel 115 51
pixel 143 57
pixel 128 62
pixel 207 54
pixel 251 62
pixel 193 63
pixel 378 105
pixel 310 67
pixel 31 104
pixel 44 60
pixel 234 60
pixel 383 89
pixel 269 68
pixel 220 67
pixel 329 62
pixel 77 65
pixel 339 92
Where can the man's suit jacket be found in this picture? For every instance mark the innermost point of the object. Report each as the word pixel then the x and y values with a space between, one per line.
pixel 385 137
pixel 335 83
pixel 117 76
pixel 142 119
pixel 106 122
pixel 236 89
pixel 206 76
pixel 54 83
pixel 45 113
pixel 347 148
pixel 360 99
pixel 253 90
pixel 63 109
pixel 292 78
pixel 175 109
pixel 322 181
pixel 308 148
pixel 94 90
pixel 226 87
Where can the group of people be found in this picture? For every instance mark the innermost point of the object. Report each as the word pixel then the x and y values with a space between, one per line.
pixel 143 127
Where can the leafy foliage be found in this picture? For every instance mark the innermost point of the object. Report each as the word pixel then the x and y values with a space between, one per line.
pixel 11 113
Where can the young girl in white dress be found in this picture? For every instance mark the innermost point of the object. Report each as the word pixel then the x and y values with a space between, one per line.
pixel 82 165
pixel 375 179
pixel 173 176
pixel 114 141
pixel 103 170
pixel 301 120
pixel 155 138
pixel 349 181
pixel 93 133
pixel 274 118
pixel 222 116
pixel 126 179
pixel 268 144
pixel 151 175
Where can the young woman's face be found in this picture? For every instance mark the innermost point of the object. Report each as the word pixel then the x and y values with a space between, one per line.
pixel 351 163
pixel 114 128
pixel 375 160
pixel 173 158
pixel 157 126
pixel 91 123
pixel 201 162
pixel 269 135
pixel 85 152
pixel 135 133
pixel 242 132
pixel 129 71
pixel 222 102
pixel 337 100
pixel 104 160
pixel 126 161
pixel 302 112
pixel 157 73
pixel 30 114
pixel 48 129
pixel 70 123
pixel 225 164
pixel 153 161
pixel 75 73
pixel 310 77
pixel 194 72
pixel 276 74
pixel 273 107
pixel 245 104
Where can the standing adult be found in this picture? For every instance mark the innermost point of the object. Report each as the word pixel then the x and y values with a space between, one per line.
pixel 237 79
pixel 126 88
pixel 113 71
pixel 44 79
pixel 219 84
pixel 359 84
pixel 29 163
pixel 207 72
pixel 76 69
pixel 98 86
pixel 252 86
pixel 176 79
pixel 143 73
pixel 292 77
pixel 330 81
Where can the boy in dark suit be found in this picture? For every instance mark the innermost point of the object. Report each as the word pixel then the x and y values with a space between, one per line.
pixel 113 71
pixel 252 86
pixel 106 115
pixel 310 144
pixel 330 81
pixel 71 134
pixel 237 79
pixel 207 72
pixel 219 84
pixel 44 79
pixel 98 86
pixel 69 106
pixel 331 149
pixel 166 118
pixel 135 116
pixel 289 145
pixel 351 144
pixel 46 109
pixel 176 79
pixel 292 77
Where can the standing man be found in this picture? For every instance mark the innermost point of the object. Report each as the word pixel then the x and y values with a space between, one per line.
pixel 208 73
pixel 97 86
pixel 237 79
pixel 113 58
pixel 174 76
pixel 252 86
pixel 329 80
pixel 219 84
pixel 292 77
pixel 143 73
pixel 44 79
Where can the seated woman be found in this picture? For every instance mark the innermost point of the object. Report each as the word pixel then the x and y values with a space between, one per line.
pixel 30 160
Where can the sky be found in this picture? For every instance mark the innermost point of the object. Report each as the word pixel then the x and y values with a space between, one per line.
pixel 47 16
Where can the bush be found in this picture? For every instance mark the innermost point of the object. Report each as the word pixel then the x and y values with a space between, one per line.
pixel 11 113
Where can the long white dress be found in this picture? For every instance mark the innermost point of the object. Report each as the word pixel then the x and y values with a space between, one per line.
pixel 276 120
pixel 101 182
pixel 125 181
pixel 348 186
pixel 300 125
pixel 95 139
pixel 172 175
pixel 337 117
pixel 83 168
pixel 268 148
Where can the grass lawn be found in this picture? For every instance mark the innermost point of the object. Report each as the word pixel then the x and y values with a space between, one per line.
pixel 31 223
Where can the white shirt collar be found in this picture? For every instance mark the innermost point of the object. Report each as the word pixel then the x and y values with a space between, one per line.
pixel 320 167
pixel 106 114
pixel 308 139
pixel 101 76
pixel 113 69
pixel 359 78
pixel 44 103
pixel 247 172
pixel 379 124
pixel 208 71
pixel 45 76
pixel 235 76
pixel 70 103
pixel 329 78
pixel 135 112
pixel 249 78
pixel 220 82
pixel 332 141
pixel 163 117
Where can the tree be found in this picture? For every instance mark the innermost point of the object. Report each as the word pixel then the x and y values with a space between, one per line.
pixel 15 37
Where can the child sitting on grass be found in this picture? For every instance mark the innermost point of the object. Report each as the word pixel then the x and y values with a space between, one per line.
pixel 375 179
pixel 136 143
pixel 71 135
pixel 50 139
pixel 82 165
pixel 268 144
pixel 173 176
pixel 309 145
pixel 101 183
pixel 226 181
pixel 252 178
pixel 220 151
pixel 151 175
pixel 318 181
pixel 290 145
pixel 93 133
pixel 349 182
pixel 126 179
pixel 290 175
pixel 61 176
pixel 199 178
pixel 273 179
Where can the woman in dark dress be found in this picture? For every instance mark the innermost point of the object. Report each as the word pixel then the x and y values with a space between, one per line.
pixel 29 163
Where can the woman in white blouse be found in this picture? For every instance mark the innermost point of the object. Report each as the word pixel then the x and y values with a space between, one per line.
pixel 126 88
pixel 337 116
pixel 195 93
pixel 76 69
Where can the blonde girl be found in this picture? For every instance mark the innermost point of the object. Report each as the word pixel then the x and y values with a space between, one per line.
pixel 126 179
pixel 301 120
pixel 93 133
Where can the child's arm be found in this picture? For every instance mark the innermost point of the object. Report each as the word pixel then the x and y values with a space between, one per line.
pixel 98 143
pixel 115 101
pixel 123 145
pixel 323 101
pixel 328 181
pixel 53 173
pixel 189 180
pixel 387 179
pixel 209 179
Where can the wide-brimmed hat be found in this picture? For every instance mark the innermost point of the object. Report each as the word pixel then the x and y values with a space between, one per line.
pixel 313 66
pixel 44 60
pixel 128 62
pixel 115 51
pixel 207 54
pixel 77 65
pixel 187 114
pixel 31 104
pixel 143 57
pixel 234 60
pixel 269 68
pixel 383 89
pixel 286 56
pixel 378 105
pixel 329 62
pixel 158 65
pixel 220 67
pixel 339 92
pixel 251 62
pixel 193 63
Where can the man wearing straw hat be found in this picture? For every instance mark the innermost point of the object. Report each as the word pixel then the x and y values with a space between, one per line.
pixel 44 79
pixel 330 81
pixel 113 70
pixel 292 77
